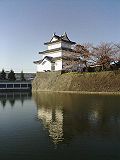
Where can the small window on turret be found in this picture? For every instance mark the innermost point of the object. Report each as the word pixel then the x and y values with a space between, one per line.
pixel 53 66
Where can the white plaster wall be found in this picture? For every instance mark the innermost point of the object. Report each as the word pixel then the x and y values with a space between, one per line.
pixel 66 45
pixel 58 65
pixel 59 45
pixel 53 54
pixel 45 66
pixel 54 39
pixel 53 46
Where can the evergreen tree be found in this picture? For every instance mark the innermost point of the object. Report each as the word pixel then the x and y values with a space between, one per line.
pixel 3 75
pixel 22 77
pixel 11 76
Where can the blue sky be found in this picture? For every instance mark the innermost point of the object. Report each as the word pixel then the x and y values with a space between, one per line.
pixel 26 24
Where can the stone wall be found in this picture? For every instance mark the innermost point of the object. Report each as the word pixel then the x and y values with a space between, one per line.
pixel 108 81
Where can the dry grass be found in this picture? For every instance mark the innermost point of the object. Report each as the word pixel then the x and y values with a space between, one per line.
pixel 88 82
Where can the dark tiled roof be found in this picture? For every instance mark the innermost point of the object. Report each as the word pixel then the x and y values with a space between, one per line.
pixel 51 59
pixel 56 58
pixel 64 38
pixel 48 58
pixel 38 62
pixel 57 49
pixel 59 41
pixel 56 36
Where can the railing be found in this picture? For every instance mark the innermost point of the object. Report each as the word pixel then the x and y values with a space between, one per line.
pixel 15 85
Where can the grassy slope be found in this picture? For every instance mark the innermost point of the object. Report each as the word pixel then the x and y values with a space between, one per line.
pixel 90 82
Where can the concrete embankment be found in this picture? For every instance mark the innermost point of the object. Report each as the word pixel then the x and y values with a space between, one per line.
pixel 108 81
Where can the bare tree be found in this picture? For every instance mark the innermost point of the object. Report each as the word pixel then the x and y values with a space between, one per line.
pixel 88 46
pixel 71 61
pixel 117 51
pixel 104 54
pixel 85 54
pixel 118 45
pixel 81 57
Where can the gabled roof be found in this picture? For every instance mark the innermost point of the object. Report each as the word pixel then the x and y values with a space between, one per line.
pixel 38 62
pixel 65 37
pixel 50 59
pixel 57 49
pixel 55 38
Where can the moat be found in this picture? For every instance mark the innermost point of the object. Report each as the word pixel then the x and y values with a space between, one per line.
pixel 59 126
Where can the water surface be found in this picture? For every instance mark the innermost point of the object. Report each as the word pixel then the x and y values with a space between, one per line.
pixel 59 126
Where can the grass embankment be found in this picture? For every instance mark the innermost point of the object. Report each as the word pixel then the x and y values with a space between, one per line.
pixel 107 81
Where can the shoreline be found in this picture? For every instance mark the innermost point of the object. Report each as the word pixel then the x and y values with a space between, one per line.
pixel 79 92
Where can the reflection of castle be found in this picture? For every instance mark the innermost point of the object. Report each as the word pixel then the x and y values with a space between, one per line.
pixel 68 115
pixel 53 121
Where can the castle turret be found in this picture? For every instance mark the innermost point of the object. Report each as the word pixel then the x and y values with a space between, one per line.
pixel 52 57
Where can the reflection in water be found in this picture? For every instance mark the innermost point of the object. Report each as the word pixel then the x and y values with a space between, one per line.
pixel 69 115
pixel 11 97
pixel 51 114
pixel 85 126
pixel 53 120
